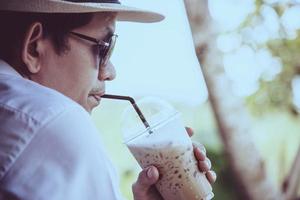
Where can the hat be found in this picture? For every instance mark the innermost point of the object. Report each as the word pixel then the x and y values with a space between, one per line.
pixel 125 13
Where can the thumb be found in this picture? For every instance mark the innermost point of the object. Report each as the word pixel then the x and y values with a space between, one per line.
pixel 146 179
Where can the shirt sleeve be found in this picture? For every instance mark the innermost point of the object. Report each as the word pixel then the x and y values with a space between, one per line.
pixel 64 160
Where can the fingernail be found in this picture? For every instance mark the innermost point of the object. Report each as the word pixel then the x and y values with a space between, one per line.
pixel 214 175
pixel 207 164
pixel 201 150
pixel 150 172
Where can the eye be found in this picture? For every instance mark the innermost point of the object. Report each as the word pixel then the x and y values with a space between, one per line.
pixel 96 49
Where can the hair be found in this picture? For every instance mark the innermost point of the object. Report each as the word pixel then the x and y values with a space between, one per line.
pixel 55 26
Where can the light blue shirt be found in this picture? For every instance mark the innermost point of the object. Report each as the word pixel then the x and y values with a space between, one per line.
pixel 49 146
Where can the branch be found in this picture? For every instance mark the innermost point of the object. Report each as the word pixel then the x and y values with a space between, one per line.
pixel 292 182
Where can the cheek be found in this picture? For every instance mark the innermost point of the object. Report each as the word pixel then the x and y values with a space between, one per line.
pixel 83 81
pixel 74 73
pixel 75 77
pixel 85 85
pixel 84 68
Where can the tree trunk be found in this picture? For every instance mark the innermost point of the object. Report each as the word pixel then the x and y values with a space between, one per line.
pixel 232 118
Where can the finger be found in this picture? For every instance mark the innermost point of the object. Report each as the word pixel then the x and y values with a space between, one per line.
pixel 204 166
pixel 200 146
pixel 199 154
pixel 211 176
pixel 189 131
pixel 208 162
pixel 146 179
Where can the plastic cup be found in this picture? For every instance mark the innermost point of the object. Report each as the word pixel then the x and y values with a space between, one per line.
pixel 167 146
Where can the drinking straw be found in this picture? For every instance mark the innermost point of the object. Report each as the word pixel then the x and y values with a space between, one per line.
pixel 136 108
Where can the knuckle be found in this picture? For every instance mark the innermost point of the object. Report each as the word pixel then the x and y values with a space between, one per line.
pixel 203 166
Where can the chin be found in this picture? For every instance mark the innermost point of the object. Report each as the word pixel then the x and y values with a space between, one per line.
pixel 88 108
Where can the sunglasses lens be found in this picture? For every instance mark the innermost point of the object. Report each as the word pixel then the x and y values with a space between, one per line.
pixel 103 51
pixel 107 50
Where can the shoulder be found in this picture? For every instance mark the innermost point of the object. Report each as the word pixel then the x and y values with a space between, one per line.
pixel 62 155
pixel 32 99
pixel 27 109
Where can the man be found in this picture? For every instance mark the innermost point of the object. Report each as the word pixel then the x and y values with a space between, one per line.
pixel 54 65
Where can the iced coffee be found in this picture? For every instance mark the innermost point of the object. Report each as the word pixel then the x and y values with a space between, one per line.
pixel 179 175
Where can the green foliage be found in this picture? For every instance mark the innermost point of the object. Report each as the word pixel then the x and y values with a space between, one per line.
pixel 276 95
pixel 224 186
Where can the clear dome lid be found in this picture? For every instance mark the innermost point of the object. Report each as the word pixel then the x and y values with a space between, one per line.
pixel 155 111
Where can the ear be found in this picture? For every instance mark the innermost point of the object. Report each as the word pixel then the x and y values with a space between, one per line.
pixel 32 47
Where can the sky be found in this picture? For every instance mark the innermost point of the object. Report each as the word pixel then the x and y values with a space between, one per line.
pixel 158 59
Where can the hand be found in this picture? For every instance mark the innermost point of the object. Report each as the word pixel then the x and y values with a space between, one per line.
pixel 144 188
pixel 204 163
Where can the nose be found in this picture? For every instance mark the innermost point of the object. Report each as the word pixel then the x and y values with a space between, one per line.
pixel 107 72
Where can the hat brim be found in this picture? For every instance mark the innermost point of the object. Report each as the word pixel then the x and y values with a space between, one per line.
pixel 124 13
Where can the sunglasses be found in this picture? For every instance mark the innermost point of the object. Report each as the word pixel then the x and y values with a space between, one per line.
pixel 103 49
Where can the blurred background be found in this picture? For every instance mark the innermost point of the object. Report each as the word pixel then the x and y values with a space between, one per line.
pixel 243 103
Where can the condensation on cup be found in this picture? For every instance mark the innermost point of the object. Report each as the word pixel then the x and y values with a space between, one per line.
pixel 166 145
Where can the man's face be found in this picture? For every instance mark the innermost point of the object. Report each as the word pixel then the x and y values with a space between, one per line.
pixel 76 73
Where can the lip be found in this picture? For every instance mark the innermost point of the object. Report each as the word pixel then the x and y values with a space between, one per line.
pixel 97 95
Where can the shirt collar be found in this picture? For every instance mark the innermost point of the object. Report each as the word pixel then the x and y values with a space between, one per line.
pixel 5 68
